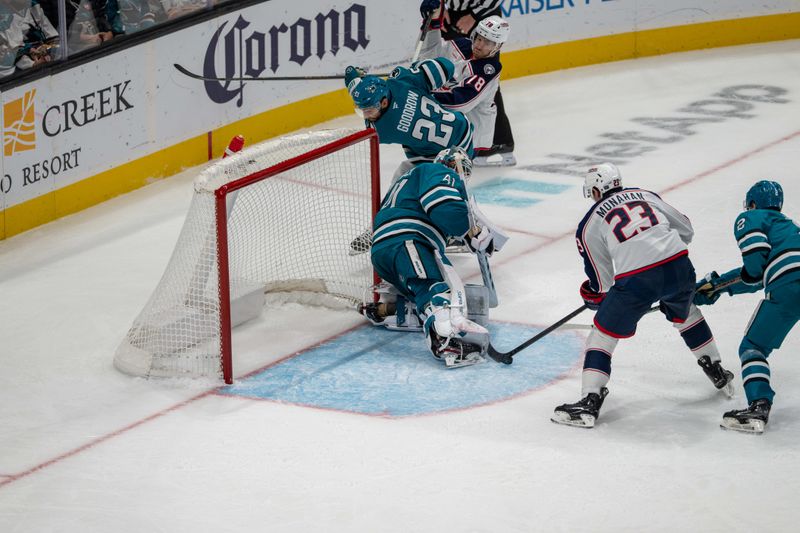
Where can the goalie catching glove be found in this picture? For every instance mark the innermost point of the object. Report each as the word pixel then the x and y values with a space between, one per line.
pixel 591 298
pixel 483 236
pixel 480 240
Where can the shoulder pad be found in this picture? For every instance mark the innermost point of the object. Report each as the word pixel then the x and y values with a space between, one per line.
pixel 488 68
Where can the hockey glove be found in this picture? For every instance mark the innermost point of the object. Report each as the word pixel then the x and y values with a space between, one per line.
pixel 591 298
pixel 351 73
pixel 432 9
pixel 705 289
pixel 480 240
pixel 712 286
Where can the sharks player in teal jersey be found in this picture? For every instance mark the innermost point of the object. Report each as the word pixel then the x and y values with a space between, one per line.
pixel 424 208
pixel 770 246
pixel 404 111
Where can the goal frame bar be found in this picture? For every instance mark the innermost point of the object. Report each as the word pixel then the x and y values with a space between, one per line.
pixel 220 207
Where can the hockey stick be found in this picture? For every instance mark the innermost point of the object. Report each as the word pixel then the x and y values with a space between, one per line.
pixel 423 31
pixel 508 357
pixel 183 70
pixel 724 285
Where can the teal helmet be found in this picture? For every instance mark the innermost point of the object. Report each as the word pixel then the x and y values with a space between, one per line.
pixel 765 195
pixel 368 91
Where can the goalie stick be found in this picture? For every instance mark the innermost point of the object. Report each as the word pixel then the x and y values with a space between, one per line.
pixel 488 280
pixel 184 70
pixel 508 357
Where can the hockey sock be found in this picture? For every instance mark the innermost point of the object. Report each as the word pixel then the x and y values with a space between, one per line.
pixel 697 335
pixel 755 376
pixel 597 362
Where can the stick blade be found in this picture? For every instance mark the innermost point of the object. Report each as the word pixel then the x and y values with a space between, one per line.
pixel 500 357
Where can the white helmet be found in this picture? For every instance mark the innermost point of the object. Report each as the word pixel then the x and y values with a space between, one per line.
pixel 493 29
pixel 604 177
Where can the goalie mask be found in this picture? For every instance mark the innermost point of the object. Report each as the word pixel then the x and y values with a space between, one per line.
pixel 764 195
pixel 604 178
pixel 457 159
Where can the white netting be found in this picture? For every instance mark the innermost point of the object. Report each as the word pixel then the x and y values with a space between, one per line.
pixel 289 232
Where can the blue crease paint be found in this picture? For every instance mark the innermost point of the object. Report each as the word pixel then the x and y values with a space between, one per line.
pixel 379 372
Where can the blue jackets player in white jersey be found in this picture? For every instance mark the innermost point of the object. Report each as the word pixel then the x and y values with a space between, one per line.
pixel 634 249
pixel 770 245
pixel 476 80
pixel 404 111
pixel 423 209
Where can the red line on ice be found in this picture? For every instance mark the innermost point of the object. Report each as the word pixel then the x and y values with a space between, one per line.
pixel 548 240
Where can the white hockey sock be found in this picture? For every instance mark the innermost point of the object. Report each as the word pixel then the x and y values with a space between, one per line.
pixel 597 362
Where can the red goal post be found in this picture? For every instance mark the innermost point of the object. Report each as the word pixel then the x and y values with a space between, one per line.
pixel 276 217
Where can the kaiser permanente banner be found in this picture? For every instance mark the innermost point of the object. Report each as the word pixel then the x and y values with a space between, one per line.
pixel 543 22
pixel 104 128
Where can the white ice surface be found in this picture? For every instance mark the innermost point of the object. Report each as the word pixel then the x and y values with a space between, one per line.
pixel 86 449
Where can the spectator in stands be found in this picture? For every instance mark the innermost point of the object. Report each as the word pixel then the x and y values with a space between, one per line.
pixel 179 8
pixel 27 38
pixel 87 22
pixel 130 16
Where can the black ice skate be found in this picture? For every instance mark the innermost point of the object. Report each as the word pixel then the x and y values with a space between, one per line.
pixel 454 352
pixel 499 155
pixel 583 413
pixel 376 312
pixel 721 378
pixel 751 420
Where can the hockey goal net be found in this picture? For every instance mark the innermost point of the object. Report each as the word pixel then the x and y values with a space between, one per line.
pixel 278 216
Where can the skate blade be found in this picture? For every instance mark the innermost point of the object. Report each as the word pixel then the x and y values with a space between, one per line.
pixel 451 363
pixel 585 421
pixel 495 161
pixel 394 327
pixel 753 427
pixel 727 389
pixel 457 249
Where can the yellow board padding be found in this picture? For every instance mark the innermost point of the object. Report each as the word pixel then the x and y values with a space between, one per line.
pixel 285 119
pixel 168 162
pixel 103 186
pixel 321 108
pixel 649 43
